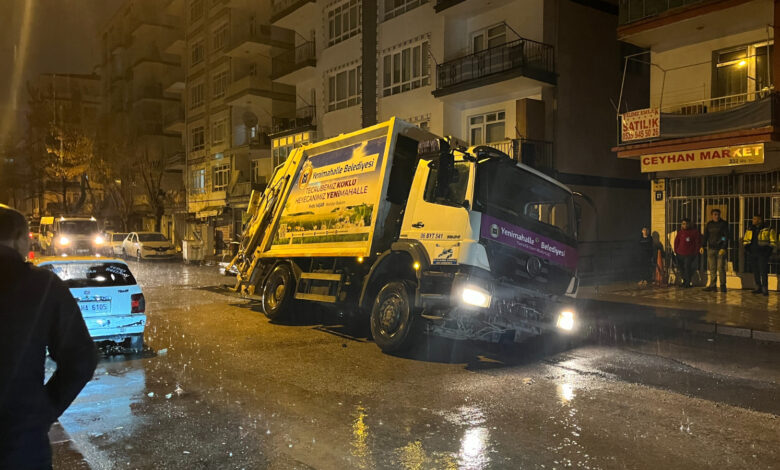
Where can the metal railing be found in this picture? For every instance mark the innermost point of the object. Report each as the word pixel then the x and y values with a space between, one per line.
pixel 530 56
pixel 635 10
pixel 537 154
pixel 294 60
pixel 304 117
pixel 719 103
pixel 251 31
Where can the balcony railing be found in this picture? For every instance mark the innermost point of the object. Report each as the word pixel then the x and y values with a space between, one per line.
pixel 529 58
pixel 537 154
pixel 282 8
pixel 265 34
pixel 635 10
pixel 303 55
pixel 304 117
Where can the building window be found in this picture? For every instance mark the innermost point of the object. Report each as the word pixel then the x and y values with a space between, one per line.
pixel 394 8
pixel 405 69
pixel 282 147
pixel 257 174
pixel 197 138
pixel 196 10
pixel 343 21
pixel 487 128
pixel 488 37
pixel 344 88
pixel 198 53
pixel 219 37
pixel 196 95
pixel 218 131
pixel 221 177
pixel 198 181
pixel 219 83
pixel 741 74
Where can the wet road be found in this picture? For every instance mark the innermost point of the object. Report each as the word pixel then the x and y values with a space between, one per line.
pixel 221 387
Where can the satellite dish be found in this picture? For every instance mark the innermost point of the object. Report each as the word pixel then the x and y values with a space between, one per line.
pixel 250 120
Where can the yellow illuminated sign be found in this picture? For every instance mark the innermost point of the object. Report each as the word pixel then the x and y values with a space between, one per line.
pixel 750 154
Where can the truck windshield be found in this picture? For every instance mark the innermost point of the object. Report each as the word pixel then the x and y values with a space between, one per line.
pixel 505 191
pixel 78 227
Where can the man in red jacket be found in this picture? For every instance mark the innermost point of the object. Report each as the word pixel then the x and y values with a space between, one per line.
pixel 686 246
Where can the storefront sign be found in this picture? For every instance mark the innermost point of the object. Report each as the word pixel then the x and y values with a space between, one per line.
pixel 704 158
pixel 640 124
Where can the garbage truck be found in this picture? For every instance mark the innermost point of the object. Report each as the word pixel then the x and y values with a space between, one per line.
pixel 415 235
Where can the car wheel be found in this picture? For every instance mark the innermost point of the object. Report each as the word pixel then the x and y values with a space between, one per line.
pixel 395 325
pixel 278 291
pixel 137 343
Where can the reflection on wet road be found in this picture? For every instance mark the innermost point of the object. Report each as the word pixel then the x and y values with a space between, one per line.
pixel 221 387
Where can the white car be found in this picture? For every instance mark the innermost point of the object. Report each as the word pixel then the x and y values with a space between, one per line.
pixel 147 245
pixel 114 242
pixel 111 301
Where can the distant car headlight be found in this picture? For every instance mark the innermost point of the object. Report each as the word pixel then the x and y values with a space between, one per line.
pixel 99 240
pixel 476 297
pixel 565 320
pixel 63 241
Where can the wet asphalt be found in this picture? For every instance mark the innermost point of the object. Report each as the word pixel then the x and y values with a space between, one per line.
pixel 219 386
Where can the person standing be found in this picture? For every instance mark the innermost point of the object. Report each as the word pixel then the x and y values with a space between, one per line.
pixel 646 256
pixel 38 313
pixel 759 241
pixel 716 236
pixel 686 246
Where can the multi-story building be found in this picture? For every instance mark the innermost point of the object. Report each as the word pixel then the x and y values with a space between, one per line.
pixel 141 85
pixel 708 138
pixel 533 78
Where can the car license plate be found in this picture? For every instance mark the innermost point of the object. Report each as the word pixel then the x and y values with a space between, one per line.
pixel 95 307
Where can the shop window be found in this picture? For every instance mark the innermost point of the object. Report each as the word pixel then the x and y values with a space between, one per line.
pixel 344 88
pixel 487 128
pixel 405 69
pixel 343 21
pixel 221 177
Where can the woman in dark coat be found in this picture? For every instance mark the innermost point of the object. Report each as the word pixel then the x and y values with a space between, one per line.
pixel 646 256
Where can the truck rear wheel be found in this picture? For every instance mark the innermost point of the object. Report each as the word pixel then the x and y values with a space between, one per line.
pixel 278 291
pixel 394 324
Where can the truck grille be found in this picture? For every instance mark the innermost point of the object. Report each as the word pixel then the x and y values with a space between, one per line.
pixel 510 263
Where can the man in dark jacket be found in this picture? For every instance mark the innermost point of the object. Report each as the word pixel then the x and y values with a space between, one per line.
pixel 716 237
pixel 686 246
pixel 36 312
pixel 760 240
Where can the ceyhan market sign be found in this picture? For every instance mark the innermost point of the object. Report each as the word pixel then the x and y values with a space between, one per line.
pixel 704 158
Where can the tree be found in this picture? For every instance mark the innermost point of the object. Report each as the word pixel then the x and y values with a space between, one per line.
pixel 70 152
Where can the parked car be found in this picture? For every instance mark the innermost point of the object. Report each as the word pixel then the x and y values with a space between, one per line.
pixel 111 301
pixel 147 245
pixel 114 242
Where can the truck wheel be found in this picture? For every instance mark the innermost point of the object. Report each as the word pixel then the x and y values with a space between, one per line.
pixel 394 324
pixel 278 291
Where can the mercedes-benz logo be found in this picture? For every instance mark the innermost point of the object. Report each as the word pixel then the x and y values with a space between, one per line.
pixel 533 265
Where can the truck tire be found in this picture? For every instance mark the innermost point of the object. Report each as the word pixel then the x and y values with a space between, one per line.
pixel 395 325
pixel 278 291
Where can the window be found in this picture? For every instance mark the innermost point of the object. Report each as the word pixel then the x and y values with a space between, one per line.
pixel 740 74
pixel 487 128
pixel 343 21
pixel 219 83
pixel 344 88
pixel 197 138
pixel 198 53
pixel 394 8
pixel 454 194
pixel 489 37
pixel 196 10
pixel 221 177
pixel 282 147
pixel 219 37
pixel 257 176
pixel 198 181
pixel 405 69
pixel 196 95
pixel 218 129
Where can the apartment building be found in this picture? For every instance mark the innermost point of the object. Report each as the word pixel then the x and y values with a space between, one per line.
pixel 141 85
pixel 536 79
pixel 708 138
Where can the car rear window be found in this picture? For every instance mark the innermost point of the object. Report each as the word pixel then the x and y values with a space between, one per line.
pixel 90 274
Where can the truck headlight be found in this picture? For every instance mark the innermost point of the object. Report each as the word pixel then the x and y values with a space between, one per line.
pixel 476 297
pixel 565 320
pixel 63 241
pixel 99 240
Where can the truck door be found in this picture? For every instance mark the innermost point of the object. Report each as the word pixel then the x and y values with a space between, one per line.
pixel 439 217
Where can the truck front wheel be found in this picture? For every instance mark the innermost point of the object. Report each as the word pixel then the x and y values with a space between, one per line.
pixel 278 292
pixel 394 324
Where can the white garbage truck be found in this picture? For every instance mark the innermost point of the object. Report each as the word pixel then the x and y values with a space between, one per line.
pixel 414 234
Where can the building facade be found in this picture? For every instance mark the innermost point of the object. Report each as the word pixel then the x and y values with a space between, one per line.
pixel 708 138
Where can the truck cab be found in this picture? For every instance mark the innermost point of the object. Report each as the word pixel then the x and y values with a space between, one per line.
pixel 71 236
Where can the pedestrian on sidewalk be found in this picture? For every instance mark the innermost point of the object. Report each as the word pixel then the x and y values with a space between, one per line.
pixel 646 257
pixel 716 236
pixel 686 246
pixel 37 312
pixel 760 241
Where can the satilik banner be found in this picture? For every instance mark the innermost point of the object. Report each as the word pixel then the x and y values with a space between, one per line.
pixel 640 124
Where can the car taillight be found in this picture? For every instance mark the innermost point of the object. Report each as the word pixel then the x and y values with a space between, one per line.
pixel 137 303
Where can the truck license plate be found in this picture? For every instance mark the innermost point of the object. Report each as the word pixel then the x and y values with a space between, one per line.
pixel 95 307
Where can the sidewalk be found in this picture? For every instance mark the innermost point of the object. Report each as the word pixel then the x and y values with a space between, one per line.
pixel 736 312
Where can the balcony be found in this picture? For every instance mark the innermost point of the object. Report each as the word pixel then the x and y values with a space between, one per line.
pixel 304 120
pixel 253 90
pixel 282 8
pixel 537 154
pixel 174 120
pixel 292 67
pixel 442 5
pixel 515 65
pixel 636 10
pixel 175 82
pixel 261 140
pixel 249 39
pixel 151 92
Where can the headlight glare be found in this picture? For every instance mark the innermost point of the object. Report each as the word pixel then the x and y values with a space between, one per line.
pixel 565 320
pixel 63 241
pixel 475 297
pixel 99 240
